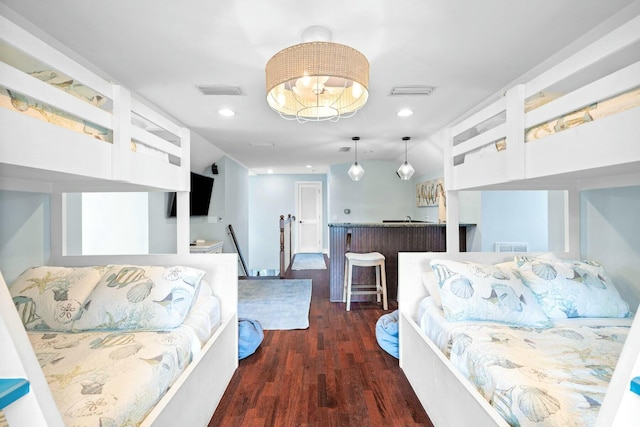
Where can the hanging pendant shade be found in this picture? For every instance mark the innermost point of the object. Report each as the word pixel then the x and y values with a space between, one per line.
pixel 356 172
pixel 405 171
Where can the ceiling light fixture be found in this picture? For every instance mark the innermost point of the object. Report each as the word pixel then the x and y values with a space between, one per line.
pixel 405 171
pixel 226 112
pixel 356 172
pixel 405 112
pixel 317 80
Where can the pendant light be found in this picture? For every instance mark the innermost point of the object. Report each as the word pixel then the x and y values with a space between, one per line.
pixel 405 171
pixel 317 80
pixel 356 172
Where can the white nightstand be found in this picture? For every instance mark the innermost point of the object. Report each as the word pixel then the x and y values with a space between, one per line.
pixel 207 247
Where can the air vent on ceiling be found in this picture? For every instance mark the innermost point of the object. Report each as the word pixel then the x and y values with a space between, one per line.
pixel 344 149
pixel 220 90
pixel 412 90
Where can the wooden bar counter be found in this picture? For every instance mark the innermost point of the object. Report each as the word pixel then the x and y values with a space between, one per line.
pixel 388 238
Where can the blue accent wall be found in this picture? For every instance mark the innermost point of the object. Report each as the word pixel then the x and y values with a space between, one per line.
pixel 514 216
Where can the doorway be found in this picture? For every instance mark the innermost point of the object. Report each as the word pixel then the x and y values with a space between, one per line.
pixel 309 216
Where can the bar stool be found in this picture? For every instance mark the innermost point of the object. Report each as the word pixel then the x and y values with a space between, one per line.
pixel 371 259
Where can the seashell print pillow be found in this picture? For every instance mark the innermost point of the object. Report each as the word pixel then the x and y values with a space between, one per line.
pixel 139 298
pixel 49 298
pixel 569 288
pixel 471 291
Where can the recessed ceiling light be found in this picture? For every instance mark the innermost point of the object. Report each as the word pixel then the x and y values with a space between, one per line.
pixel 269 170
pixel 405 112
pixel 308 166
pixel 226 112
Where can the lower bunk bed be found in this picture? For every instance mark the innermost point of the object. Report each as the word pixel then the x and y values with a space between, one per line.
pixel 480 347
pixel 129 340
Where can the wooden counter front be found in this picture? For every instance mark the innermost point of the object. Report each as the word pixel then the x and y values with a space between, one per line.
pixel 388 239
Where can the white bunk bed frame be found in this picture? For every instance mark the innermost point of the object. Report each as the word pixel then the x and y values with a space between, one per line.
pixel 586 163
pixel 42 157
pixel 191 400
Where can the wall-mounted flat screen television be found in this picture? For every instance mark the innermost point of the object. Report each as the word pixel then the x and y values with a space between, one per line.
pixel 199 198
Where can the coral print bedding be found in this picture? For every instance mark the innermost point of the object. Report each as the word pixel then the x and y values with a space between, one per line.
pixel 571 288
pixel 111 339
pixel 90 373
pixel 471 291
pixel 540 377
pixel 117 297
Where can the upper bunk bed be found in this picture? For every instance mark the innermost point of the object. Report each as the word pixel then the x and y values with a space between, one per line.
pixel 571 127
pixel 65 127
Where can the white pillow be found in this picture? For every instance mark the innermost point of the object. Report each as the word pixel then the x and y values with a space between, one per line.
pixel 430 282
pixel 204 316
pixel 471 291
pixel 567 289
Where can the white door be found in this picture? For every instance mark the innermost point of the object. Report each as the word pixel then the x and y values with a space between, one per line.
pixel 309 216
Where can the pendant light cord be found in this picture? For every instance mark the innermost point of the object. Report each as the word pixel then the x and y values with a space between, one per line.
pixel 406 140
pixel 356 139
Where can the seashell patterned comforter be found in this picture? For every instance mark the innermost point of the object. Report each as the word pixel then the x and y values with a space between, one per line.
pixel 111 378
pixel 539 377
pixel 112 339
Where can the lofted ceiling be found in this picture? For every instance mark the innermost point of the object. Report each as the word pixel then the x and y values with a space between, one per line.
pixel 163 50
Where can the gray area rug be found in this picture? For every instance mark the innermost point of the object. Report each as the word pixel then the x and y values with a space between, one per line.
pixel 276 304
pixel 309 262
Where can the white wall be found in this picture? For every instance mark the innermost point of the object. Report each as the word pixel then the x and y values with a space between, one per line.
pixel 556 220
pixel 378 196
pixel 25 238
pixel 234 208
pixel 74 218
pixel 115 223
pixel 269 197
pixel 610 234
pixel 162 229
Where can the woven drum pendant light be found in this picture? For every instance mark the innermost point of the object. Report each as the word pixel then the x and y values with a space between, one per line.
pixel 317 80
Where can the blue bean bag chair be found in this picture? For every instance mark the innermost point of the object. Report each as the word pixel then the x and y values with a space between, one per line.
pixel 250 336
pixel 387 333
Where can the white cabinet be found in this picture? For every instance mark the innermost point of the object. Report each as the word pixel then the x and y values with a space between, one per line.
pixel 206 247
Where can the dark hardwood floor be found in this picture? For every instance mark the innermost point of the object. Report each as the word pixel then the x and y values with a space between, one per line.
pixel 332 374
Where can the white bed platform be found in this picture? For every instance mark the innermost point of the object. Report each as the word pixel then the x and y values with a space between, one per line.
pixel 450 399
pixel 196 393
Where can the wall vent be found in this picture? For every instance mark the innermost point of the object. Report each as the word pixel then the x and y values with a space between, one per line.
pixel 512 247
pixel 220 90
